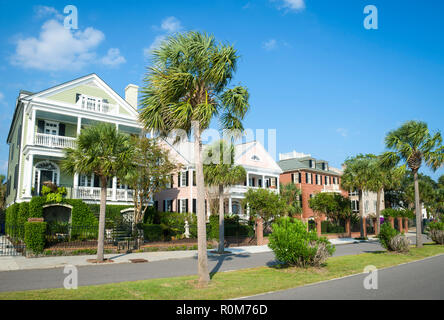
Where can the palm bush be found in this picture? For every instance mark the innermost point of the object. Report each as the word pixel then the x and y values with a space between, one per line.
pixel 436 232
pixel 392 240
pixel 293 245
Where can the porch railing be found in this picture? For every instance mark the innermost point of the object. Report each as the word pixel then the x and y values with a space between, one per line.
pixel 90 193
pixel 52 141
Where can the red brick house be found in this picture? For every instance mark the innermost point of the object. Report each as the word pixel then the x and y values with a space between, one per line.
pixel 311 176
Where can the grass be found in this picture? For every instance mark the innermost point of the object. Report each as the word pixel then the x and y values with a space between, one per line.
pixel 232 284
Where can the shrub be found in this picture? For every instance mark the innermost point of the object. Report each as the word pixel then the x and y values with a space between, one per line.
pixel 214 227
pixel 35 236
pixel 153 232
pixel 391 213
pixel 12 214
pixel 386 234
pixel 436 232
pixel 399 243
pixel 295 246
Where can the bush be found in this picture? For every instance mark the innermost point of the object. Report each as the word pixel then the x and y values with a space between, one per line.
pixel 153 232
pixel 399 243
pixel 35 236
pixel 386 234
pixel 436 232
pixel 295 246
pixel 214 227
pixel 391 213
pixel 12 214
pixel 329 227
pixel 36 207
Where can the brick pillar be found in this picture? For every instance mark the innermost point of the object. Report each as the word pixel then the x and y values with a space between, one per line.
pixel 364 226
pixel 318 226
pixel 375 226
pixel 347 228
pixel 259 231
pixel 406 225
pixel 400 224
pixel 392 222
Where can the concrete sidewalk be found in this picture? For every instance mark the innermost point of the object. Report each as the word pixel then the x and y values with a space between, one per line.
pixel 21 263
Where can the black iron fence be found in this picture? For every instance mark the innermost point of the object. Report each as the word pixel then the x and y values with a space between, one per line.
pixel 12 240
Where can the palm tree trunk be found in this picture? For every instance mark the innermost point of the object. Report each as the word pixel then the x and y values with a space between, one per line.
pixel 417 212
pixel 101 239
pixel 221 219
pixel 202 260
pixel 378 212
pixel 361 212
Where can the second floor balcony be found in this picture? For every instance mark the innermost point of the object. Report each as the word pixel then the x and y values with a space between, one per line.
pixel 54 141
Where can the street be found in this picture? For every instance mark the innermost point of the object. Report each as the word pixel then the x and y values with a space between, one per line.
pixel 416 280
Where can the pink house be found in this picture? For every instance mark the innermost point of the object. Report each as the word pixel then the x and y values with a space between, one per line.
pixel 181 194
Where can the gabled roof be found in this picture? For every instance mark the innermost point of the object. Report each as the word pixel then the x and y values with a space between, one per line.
pixel 83 80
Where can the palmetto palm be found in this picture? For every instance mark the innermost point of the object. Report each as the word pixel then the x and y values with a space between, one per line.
pixel 221 173
pixel 291 193
pixel 412 144
pixel 382 177
pixel 185 89
pixel 104 151
pixel 357 176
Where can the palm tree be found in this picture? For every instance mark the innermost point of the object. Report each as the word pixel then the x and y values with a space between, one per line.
pixel 107 153
pixel 2 192
pixel 381 178
pixel 221 174
pixel 291 193
pixel 357 176
pixel 412 144
pixel 186 88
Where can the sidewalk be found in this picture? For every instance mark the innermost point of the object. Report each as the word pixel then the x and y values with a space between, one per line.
pixel 9 263
pixel 22 263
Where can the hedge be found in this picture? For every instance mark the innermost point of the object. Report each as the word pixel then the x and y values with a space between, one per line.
pixel 153 232
pixel 12 214
pixel 35 236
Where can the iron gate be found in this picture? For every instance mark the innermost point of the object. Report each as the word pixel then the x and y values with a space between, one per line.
pixel 11 240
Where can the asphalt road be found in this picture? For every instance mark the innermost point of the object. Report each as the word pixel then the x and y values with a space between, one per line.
pixel 93 275
pixel 419 280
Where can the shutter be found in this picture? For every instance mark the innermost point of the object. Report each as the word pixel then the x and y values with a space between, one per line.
pixel 19 137
pixel 186 206
pixel 300 177
pixel 178 179
pixel 195 205
pixel 172 181
pixel 178 206
pixel 156 205
pixel 311 178
pixel 194 177
pixel 40 126
pixel 164 205
pixel 15 176
pixel 62 129
pixel 292 178
pixel 188 176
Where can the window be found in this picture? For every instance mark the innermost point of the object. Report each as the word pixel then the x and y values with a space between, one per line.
pixel 255 158
pixel 51 128
pixel 184 179
pixel 312 163
pixel 168 206
pixel 296 177
pixel 183 205
pixel 355 205
pixel 308 178
pixel 194 178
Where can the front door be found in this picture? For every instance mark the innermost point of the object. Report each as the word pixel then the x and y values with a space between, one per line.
pixel 45 176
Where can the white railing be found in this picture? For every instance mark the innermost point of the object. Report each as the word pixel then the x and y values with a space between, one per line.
pixel 90 193
pixel 52 141
pixel 96 105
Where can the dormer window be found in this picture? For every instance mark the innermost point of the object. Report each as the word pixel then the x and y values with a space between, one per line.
pixel 255 158
pixel 312 163
pixel 324 166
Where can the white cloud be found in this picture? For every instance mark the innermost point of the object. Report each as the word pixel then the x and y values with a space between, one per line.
pixel 343 132
pixel 45 11
pixel 171 25
pixel 58 48
pixel 168 26
pixel 113 58
pixel 270 44
pixel 294 5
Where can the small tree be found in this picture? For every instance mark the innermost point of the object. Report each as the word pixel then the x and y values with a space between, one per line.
pixel 149 174
pixel 221 173
pixel 265 205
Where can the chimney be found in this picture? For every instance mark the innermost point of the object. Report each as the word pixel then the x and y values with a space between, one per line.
pixel 131 92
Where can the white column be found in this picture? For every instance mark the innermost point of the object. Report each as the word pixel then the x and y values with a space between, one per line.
pixel 79 125
pixel 32 126
pixel 115 189
pixel 248 179
pixel 28 176
pixel 75 185
pixel 230 206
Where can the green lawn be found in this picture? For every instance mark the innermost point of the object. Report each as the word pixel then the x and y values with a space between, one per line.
pixel 232 284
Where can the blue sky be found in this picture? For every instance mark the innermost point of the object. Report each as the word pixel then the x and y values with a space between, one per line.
pixel 330 87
